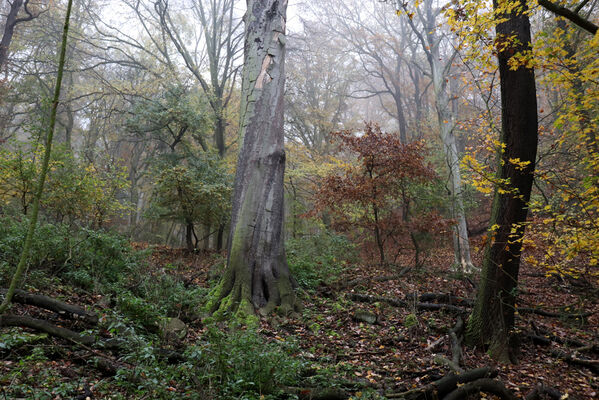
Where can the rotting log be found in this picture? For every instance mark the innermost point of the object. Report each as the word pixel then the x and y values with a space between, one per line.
pixel 45 326
pixel 48 303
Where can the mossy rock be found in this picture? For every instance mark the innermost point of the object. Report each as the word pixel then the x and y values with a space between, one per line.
pixel 365 316
pixel 172 329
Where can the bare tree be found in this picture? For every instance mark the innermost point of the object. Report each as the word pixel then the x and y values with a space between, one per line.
pixel 222 45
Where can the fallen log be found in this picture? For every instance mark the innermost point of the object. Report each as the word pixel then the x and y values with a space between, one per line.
pixel 47 327
pixel 48 303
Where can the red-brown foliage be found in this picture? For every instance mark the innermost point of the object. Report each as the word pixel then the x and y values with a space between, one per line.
pixel 376 193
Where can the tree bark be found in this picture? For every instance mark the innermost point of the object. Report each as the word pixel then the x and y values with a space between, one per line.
pixel 257 276
pixel 492 319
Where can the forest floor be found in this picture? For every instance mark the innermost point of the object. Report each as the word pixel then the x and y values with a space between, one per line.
pixel 406 346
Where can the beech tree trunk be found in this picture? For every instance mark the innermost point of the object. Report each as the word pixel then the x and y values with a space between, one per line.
pixel 257 276
pixel 492 319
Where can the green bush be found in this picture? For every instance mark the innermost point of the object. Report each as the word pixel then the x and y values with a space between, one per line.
pixel 320 258
pixel 91 259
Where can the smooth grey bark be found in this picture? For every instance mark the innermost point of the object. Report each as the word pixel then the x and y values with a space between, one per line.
pixel 439 73
pixel 257 276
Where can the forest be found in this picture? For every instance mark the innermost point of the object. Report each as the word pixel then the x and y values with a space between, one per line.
pixel 299 199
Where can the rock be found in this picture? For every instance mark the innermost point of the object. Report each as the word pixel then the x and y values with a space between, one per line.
pixel 173 329
pixel 365 316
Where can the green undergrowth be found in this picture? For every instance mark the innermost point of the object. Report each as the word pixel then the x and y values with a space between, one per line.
pixel 319 259
pixel 223 361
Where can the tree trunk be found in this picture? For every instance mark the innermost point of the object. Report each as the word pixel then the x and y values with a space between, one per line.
pixel 257 276
pixel 492 319
pixel 189 235
pixel 207 234
pixel 9 30
pixel 220 237
pixel 446 121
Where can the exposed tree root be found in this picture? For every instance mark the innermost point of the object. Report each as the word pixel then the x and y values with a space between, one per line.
pixel 44 326
pixel 67 310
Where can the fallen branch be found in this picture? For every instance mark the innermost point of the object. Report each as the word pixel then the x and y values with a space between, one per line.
pixel 545 338
pixel 593 365
pixel 48 303
pixel 44 326
pixel 317 393
pixel 444 386
pixel 364 298
pixel 446 298
pixel 447 306
pixel 486 385
pixel 541 391
pixel 538 311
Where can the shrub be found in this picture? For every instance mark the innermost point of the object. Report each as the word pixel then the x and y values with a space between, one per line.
pixel 85 257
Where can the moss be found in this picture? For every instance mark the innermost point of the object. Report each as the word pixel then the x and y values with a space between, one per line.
pixel 245 314
pixel 214 297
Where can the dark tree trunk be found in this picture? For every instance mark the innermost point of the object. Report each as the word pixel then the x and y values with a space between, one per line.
pixel 189 235
pixel 401 118
pixel 9 30
pixel 492 319
pixel 219 132
pixel 257 276
pixel 220 237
